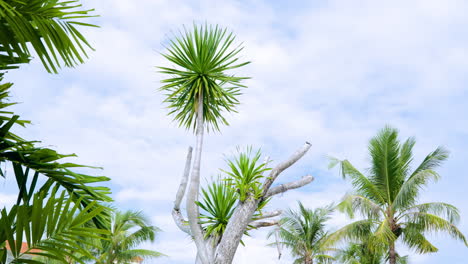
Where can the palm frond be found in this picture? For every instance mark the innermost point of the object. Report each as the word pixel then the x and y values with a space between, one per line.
pixel 49 27
pixel 52 227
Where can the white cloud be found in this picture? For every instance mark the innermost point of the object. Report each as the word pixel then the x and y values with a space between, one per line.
pixel 331 74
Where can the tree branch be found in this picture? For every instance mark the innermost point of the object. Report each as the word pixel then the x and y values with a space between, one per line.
pixel 289 186
pixel 264 223
pixel 267 215
pixel 183 182
pixel 284 165
pixel 176 214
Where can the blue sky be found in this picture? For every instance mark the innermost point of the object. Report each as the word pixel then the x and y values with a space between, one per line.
pixel 329 72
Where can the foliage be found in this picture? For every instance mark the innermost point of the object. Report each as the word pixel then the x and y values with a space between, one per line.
pixel 220 197
pixel 388 197
pixel 53 225
pixel 127 230
pixel 48 26
pixel 303 232
pixel 245 174
pixel 202 58
pixel 364 253
pixel 218 203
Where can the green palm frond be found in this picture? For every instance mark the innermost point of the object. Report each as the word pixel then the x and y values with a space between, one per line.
pixel 31 163
pixel 356 231
pixel 47 26
pixel 202 58
pixel 363 185
pixel 413 237
pixel 386 172
pixel 428 222
pixel 351 204
pixel 53 227
pixel 409 191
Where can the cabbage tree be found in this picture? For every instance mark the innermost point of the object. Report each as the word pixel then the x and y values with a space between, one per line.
pixel 200 89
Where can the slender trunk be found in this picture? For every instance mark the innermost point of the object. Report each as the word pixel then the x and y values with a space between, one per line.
pixel 235 228
pixel 308 260
pixel 392 254
pixel 192 194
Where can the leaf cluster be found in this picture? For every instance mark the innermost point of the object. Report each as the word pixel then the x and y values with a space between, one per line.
pixel 48 26
pixel 202 58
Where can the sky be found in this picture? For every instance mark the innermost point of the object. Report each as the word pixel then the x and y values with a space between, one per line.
pixel 328 72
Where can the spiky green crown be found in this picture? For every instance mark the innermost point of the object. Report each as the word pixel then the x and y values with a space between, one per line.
pixel 202 58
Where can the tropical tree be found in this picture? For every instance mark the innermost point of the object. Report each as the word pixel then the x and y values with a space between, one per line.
pixel 200 89
pixel 387 197
pixel 127 231
pixel 304 233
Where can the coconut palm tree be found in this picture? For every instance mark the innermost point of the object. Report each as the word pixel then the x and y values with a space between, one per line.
pixel 199 91
pixel 127 231
pixel 387 197
pixel 303 232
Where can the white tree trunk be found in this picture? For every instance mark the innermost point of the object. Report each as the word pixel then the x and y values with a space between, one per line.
pixel 192 194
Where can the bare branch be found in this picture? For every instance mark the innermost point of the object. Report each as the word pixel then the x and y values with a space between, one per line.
pixel 176 214
pixel 289 186
pixel 183 183
pixel 180 221
pixel 284 165
pixel 267 215
pixel 264 223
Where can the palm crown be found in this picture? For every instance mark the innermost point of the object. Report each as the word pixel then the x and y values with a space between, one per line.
pixel 303 232
pixel 388 197
pixel 202 56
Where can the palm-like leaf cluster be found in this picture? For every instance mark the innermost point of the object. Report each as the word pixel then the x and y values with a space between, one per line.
pixel 127 231
pixel 304 233
pixel 218 203
pixel 245 173
pixel 53 227
pixel 48 26
pixel 220 197
pixel 388 197
pixel 39 173
pixel 202 57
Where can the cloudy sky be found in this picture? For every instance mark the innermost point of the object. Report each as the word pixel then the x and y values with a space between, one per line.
pixel 329 72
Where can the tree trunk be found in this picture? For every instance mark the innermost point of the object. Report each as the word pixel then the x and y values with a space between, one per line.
pixel 235 229
pixel 308 260
pixel 392 254
pixel 192 194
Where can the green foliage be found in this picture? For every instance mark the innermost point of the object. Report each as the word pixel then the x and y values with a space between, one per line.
pixel 48 26
pixel 245 174
pixel 218 203
pixel 202 58
pixel 52 226
pixel 219 198
pixel 127 230
pixel 304 233
pixel 388 197
pixel 39 174
pixel 364 253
